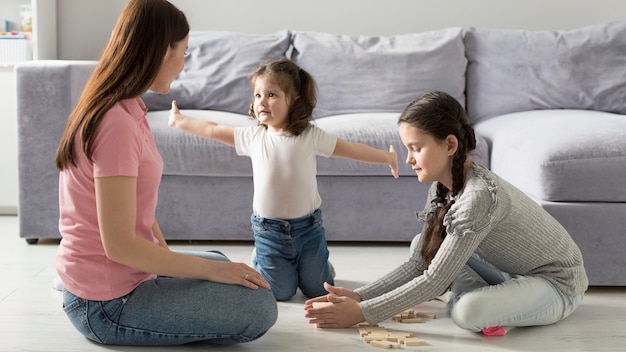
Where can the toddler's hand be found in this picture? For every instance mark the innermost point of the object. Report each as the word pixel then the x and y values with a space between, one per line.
pixel 175 115
pixel 393 165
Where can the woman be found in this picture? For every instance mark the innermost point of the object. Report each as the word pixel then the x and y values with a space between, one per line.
pixel 122 283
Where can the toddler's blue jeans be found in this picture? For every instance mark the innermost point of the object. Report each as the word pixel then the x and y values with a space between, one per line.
pixel 292 254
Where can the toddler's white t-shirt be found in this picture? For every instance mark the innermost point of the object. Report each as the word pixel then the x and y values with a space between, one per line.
pixel 284 169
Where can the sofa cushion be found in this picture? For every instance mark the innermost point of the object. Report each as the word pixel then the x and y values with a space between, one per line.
pixel 185 154
pixel 560 155
pixel 216 70
pixel 378 130
pixel 517 70
pixel 377 73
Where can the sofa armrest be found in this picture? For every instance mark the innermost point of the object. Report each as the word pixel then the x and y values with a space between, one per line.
pixel 47 91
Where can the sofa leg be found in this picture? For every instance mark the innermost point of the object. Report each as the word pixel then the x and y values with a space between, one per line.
pixel 32 240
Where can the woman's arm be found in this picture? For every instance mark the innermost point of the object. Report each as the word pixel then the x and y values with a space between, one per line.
pixel 202 128
pixel 116 203
pixel 365 153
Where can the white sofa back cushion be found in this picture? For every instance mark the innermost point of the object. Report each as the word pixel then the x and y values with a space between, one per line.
pixel 513 70
pixel 560 155
pixel 380 74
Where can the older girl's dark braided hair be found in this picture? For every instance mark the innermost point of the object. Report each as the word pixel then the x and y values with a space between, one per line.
pixel 440 115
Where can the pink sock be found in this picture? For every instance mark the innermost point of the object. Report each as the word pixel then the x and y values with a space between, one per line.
pixel 494 331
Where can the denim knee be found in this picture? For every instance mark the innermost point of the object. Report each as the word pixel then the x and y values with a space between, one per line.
pixel 283 294
pixel 266 315
pixel 466 313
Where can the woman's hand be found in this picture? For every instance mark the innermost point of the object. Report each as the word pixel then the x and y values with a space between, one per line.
pixel 237 274
pixel 341 308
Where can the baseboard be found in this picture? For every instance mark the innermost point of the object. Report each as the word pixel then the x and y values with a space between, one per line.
pixel 8 210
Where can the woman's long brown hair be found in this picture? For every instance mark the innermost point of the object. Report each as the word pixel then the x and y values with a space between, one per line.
pixel 127 67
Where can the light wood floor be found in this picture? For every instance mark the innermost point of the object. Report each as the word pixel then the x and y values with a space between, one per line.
pixel 32 319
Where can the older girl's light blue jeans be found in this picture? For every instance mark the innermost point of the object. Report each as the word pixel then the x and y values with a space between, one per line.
pixel 292 254
pixel 170 311
pixel 483 296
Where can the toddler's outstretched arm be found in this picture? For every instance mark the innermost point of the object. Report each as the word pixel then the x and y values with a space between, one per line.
pixel 202 128
pixel 367 154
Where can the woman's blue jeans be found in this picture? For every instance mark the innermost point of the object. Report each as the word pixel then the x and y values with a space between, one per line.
pixel 292 254
pixel 483 296
pixel 171 311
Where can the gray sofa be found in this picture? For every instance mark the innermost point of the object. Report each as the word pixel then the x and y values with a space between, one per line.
pixel 548 108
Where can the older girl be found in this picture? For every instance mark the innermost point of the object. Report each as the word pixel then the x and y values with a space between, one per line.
pixel 505 259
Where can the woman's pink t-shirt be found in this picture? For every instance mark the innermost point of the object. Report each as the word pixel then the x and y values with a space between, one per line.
pixel 123 146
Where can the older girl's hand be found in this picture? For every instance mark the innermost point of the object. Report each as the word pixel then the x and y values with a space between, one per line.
pixel 336 312
pixel 337 291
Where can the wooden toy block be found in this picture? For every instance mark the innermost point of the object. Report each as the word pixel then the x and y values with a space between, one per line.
pixel 411 320
pixel 373 337
pixel 410 316
pixel 363 331
pixel 425 315
pixel 381 344
pixel 377 330
pixel 396 345
pixel 321 304
pixel 413 341
pixel 399 333
pixel 378 336
pixel 395 336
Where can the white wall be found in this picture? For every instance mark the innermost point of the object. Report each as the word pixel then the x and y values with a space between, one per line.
pixel 83 26
pixel 10 11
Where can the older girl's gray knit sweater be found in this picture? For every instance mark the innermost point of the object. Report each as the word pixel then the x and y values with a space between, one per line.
pixel 502 225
